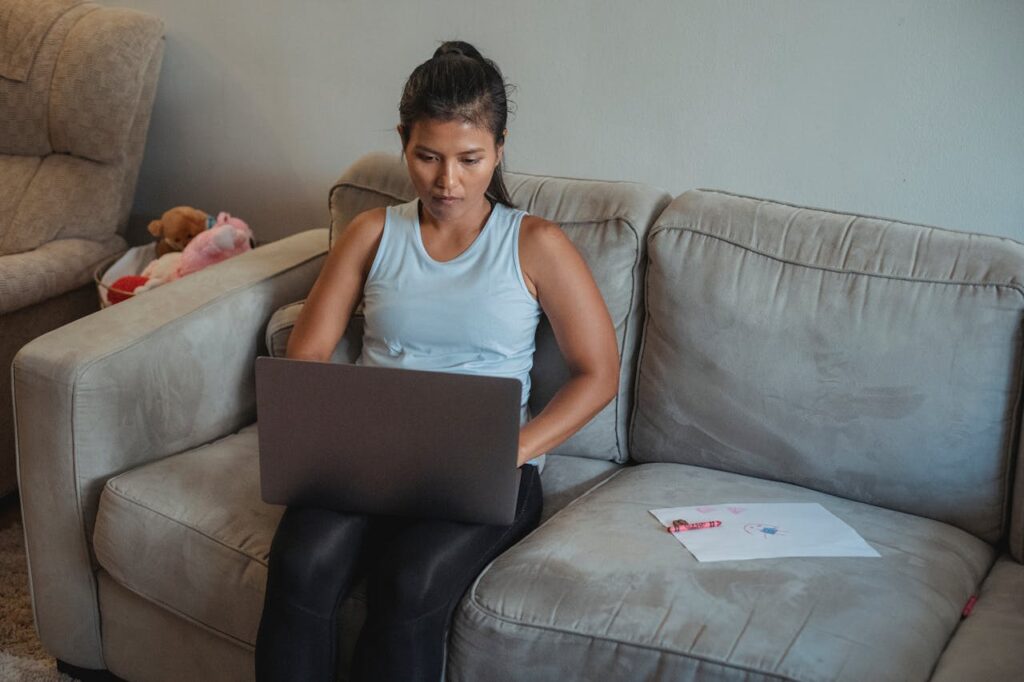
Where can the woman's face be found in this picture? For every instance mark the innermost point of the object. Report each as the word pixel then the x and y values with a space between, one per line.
pixel 451 164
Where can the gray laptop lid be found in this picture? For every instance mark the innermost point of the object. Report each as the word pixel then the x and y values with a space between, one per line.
pixel 388 441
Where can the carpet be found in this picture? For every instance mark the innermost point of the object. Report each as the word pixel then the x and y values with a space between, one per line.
pixel 22 657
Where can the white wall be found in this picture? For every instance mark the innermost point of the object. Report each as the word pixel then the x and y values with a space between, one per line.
pixel 907 109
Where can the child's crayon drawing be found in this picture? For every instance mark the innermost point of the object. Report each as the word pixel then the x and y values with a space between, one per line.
pixel 731 531
pixel 765 530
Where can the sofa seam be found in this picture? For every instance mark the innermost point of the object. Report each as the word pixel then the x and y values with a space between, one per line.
pixel 180 614
pixel 138 503
pixel 637 256
pixel 474 602
pixel 56 63
pixel 1018 288
pixel 849 214
pixel 90 551
pixel 595 180
pixel 1013 465
pixel 11 231
pixel 622 456
pixel 353 185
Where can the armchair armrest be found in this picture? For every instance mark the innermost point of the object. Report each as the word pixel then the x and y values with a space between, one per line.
pixel 152 376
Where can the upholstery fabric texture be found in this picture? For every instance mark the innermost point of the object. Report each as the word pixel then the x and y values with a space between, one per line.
pixel 81 116
pixel 602 590
pixel 143 640
pixel 25 99
pixel 52 269
pixel 607 222
pixel 987 645
pixel 24 25
pixel 191 532
pixel 874 360
pixel 17 329
pixel 279 330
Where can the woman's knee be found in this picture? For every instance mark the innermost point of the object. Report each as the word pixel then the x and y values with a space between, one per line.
pixel 314 557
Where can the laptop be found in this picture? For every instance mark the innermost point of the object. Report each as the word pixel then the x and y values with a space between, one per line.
pixel 379 440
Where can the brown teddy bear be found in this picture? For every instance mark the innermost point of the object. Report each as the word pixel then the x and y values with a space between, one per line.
pixel 177 227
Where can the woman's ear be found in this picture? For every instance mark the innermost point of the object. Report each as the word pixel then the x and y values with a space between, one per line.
pixel 401 137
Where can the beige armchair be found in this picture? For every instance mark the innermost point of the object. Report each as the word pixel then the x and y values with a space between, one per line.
pixel 77 83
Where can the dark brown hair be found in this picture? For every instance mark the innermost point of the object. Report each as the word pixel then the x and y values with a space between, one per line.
pixel 458 83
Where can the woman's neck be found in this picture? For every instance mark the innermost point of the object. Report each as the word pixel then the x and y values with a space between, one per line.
pixel 471 221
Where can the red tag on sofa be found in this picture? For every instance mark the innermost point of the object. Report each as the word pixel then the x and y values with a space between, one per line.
pixel 969 606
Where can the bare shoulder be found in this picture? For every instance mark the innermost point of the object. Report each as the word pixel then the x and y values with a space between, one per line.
pixel 368 225
pixel 356 245
pixel 549 259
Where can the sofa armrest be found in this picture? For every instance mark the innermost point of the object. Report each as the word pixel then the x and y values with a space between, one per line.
pixel 152 376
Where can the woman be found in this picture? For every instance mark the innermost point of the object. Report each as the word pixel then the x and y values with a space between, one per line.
pixel 456 281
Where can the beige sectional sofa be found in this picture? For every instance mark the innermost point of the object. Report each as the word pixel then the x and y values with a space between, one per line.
pixel 769 353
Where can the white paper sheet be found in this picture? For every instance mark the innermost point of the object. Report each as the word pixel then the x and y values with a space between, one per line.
pixel 763 531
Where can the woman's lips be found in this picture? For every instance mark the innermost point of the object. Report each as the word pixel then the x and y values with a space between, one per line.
pixel 446 201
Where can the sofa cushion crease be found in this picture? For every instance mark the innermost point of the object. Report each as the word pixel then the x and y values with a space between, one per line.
pixel 172 609
pixel 986 644
pixel 472 607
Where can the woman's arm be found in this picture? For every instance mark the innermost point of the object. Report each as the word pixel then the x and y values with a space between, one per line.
pixel 337 289
pixel 583 329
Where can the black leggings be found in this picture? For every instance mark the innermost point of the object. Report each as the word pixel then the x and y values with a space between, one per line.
pixel 418 571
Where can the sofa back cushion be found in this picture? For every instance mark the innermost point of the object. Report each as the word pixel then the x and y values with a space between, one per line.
pixel 875 360
pixel 76 89
pixel 607 222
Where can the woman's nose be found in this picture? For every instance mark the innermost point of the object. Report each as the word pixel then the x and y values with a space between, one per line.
pixel 446 178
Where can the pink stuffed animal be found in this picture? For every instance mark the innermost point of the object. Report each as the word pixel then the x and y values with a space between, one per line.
pixel 228 237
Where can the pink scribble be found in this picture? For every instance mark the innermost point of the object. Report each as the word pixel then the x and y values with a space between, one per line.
pixel 736 510
pixel 705 510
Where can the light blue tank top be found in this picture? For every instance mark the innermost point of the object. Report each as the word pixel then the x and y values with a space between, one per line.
pixel 470 315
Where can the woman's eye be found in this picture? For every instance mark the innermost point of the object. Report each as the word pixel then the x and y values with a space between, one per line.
pixel 472 162
pixel 424 157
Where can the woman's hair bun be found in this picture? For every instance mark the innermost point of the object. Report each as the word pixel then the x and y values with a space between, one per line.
pixel 457 48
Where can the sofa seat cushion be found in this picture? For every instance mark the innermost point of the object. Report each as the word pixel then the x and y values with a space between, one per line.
pixel 987 645
pixel 603 591
pixel 191 533
pixel 51 270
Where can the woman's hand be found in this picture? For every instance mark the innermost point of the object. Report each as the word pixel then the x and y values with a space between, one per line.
pixel 567 293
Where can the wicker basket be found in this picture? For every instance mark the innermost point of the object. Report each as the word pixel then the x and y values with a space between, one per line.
pixel 101 288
